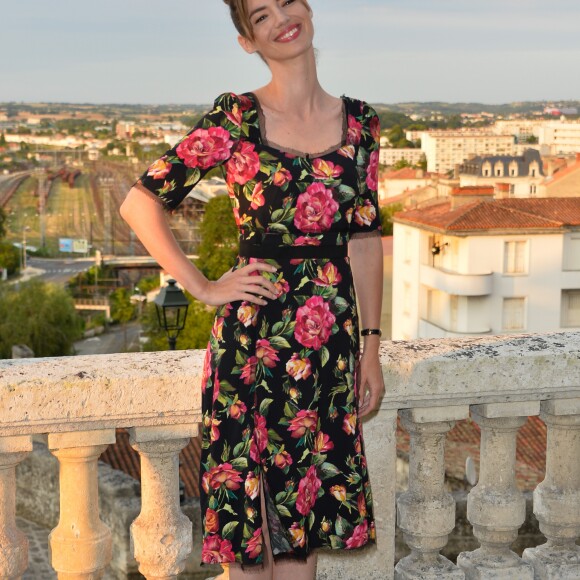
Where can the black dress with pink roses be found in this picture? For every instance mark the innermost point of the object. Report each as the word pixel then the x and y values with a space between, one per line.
pixel 280 381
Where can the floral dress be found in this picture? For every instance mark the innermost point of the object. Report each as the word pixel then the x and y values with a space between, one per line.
pixel 280 381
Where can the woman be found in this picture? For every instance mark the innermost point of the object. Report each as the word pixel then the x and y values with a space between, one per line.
pixel 284 387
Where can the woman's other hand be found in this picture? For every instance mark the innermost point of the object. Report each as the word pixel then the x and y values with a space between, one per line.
pixel 371 385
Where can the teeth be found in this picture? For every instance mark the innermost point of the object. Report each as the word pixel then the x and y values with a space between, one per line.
pixel 289 34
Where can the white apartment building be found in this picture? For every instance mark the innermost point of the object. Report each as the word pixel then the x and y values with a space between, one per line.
pixel 521 129
pixel 446 149
pixel 487 267
pixel 560 137
pixel 391 156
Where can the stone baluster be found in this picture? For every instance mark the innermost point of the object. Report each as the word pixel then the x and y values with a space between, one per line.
pixel 162 535
pixel 495 506
pixel 426 512
pixel 557 498
pixel 80 547
pixel 13 543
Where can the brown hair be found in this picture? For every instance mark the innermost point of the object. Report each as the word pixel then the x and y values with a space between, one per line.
pixel 240 17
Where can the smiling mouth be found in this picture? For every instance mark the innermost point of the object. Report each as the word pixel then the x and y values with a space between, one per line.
pixel 289 34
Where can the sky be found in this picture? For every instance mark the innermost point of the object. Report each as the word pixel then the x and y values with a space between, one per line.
pixel 389 51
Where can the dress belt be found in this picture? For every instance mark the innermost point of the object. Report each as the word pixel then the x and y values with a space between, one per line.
pixel 250 250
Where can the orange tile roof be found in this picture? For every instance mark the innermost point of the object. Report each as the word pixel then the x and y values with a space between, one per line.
pixel 473 190
pixel 564 172
pixel 500 214
pixel 407 173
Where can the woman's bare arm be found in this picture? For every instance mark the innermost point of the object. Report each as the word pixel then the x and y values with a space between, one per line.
pixel 366 260
pixel 147 219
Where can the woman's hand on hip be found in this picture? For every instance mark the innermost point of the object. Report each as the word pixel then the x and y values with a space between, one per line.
pixel 245 283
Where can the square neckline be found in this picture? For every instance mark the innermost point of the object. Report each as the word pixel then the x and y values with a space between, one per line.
pixel 294 152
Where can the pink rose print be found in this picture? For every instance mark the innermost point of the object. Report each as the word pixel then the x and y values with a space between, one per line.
pixel 306 241
pixel 347 151
pixel 362 505
pixel 314 323
pixel 160 168
pixel 235 116
pixel 215 550
pixel 373 171
pixel 375 127
pixel 226 475
pixel 204 148
pixel 217 328
pixel 359 536
pixel 315 209
pixel 237 409
pixel 254 547
pixel 260 432
pixel 365 214
pixel 322 443
pixel 282 459
pixel 248 313
pixel 298 535
pixel 328 276
pixel 282 287
pixel 299 368
pixel 212 522
pixel 304 421
pixel 245 102
pixel 216 386
pixel 322 169
pixel 266 353
pixel 354 131
pixel 258 199
pixel 349 423
pixel 307 491
pixel 249 370
pixel 281 177
pixel 252 485
pixel 244 164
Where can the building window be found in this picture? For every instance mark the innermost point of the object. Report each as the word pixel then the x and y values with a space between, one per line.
pixel 533 190
pixel 572 253
pixel 515 257
pixel 571 308
pixel 512 190
pixel 514 310
pixel 499 169
pixel 513 169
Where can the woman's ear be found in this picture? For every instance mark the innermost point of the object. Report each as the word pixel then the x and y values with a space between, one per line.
pixel 246 44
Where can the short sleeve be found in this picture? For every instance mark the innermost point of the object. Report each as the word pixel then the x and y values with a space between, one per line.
pixel 208 145
pixel 366 217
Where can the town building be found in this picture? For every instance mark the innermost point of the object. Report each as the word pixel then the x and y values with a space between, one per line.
pixel 565 182
pixel 391 156
pixel 478 265
pixel 446 149
pixel 560 137
pixel 521 129
pixel 394 183
pixel 521 176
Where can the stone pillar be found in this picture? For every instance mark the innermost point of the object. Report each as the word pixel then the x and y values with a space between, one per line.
pixel 379 433
pixel 161 536
pixel 13 543
pixel 80 547
pixel 426 512
pixel 557 498
pixel 495 506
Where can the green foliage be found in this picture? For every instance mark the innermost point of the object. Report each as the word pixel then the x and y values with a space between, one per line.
pixel 195 334
pixel 39 315
pixel 532 140
pixel 122 309
pixel 9 257
pixel 401 164
pixel 397 139
pixel 2 222
pixel 386 217
pixel 219 235
pixel 2 140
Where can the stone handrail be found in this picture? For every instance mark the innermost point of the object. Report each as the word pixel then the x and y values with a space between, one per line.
pixel 78 402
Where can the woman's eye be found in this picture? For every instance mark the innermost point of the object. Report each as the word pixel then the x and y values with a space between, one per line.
pixel 260 19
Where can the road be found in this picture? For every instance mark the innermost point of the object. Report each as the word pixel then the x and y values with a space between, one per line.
pixel 111 342
pixel 59 271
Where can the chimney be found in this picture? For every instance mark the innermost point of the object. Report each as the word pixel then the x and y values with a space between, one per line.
pixel 578 157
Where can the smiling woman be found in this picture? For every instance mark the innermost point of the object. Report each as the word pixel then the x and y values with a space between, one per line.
pixel 283 469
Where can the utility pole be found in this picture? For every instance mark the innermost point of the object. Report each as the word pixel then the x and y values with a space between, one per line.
pixel 106 184
pixel 42 195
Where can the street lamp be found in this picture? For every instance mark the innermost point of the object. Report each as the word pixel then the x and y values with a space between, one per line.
pixel 171 305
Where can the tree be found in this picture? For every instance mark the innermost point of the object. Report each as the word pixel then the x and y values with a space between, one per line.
pixel 9 257
pixel 401 164
pixel 39 315
pixel 219 238
pixel 387 215
pixel 2 222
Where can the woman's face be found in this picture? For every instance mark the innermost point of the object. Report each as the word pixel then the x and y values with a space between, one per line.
pixel 282 29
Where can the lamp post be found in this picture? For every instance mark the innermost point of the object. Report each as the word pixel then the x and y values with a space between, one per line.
pixel 171 305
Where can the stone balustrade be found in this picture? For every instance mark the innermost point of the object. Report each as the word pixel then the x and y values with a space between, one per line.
pixel 76 403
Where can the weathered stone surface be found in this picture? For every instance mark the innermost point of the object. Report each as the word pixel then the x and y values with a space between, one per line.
pixel 95 392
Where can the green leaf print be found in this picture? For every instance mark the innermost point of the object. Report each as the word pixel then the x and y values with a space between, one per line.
pixel 328 470
pixel 336 542
pixel 279 228
pixel 340 305
pixel 324 355
pixel 279 342
pixel 192 176
pixel 228 530
pixel 345 193
pixel 302 283
pixel 264 406
pixel 239 463
pixel 283 510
